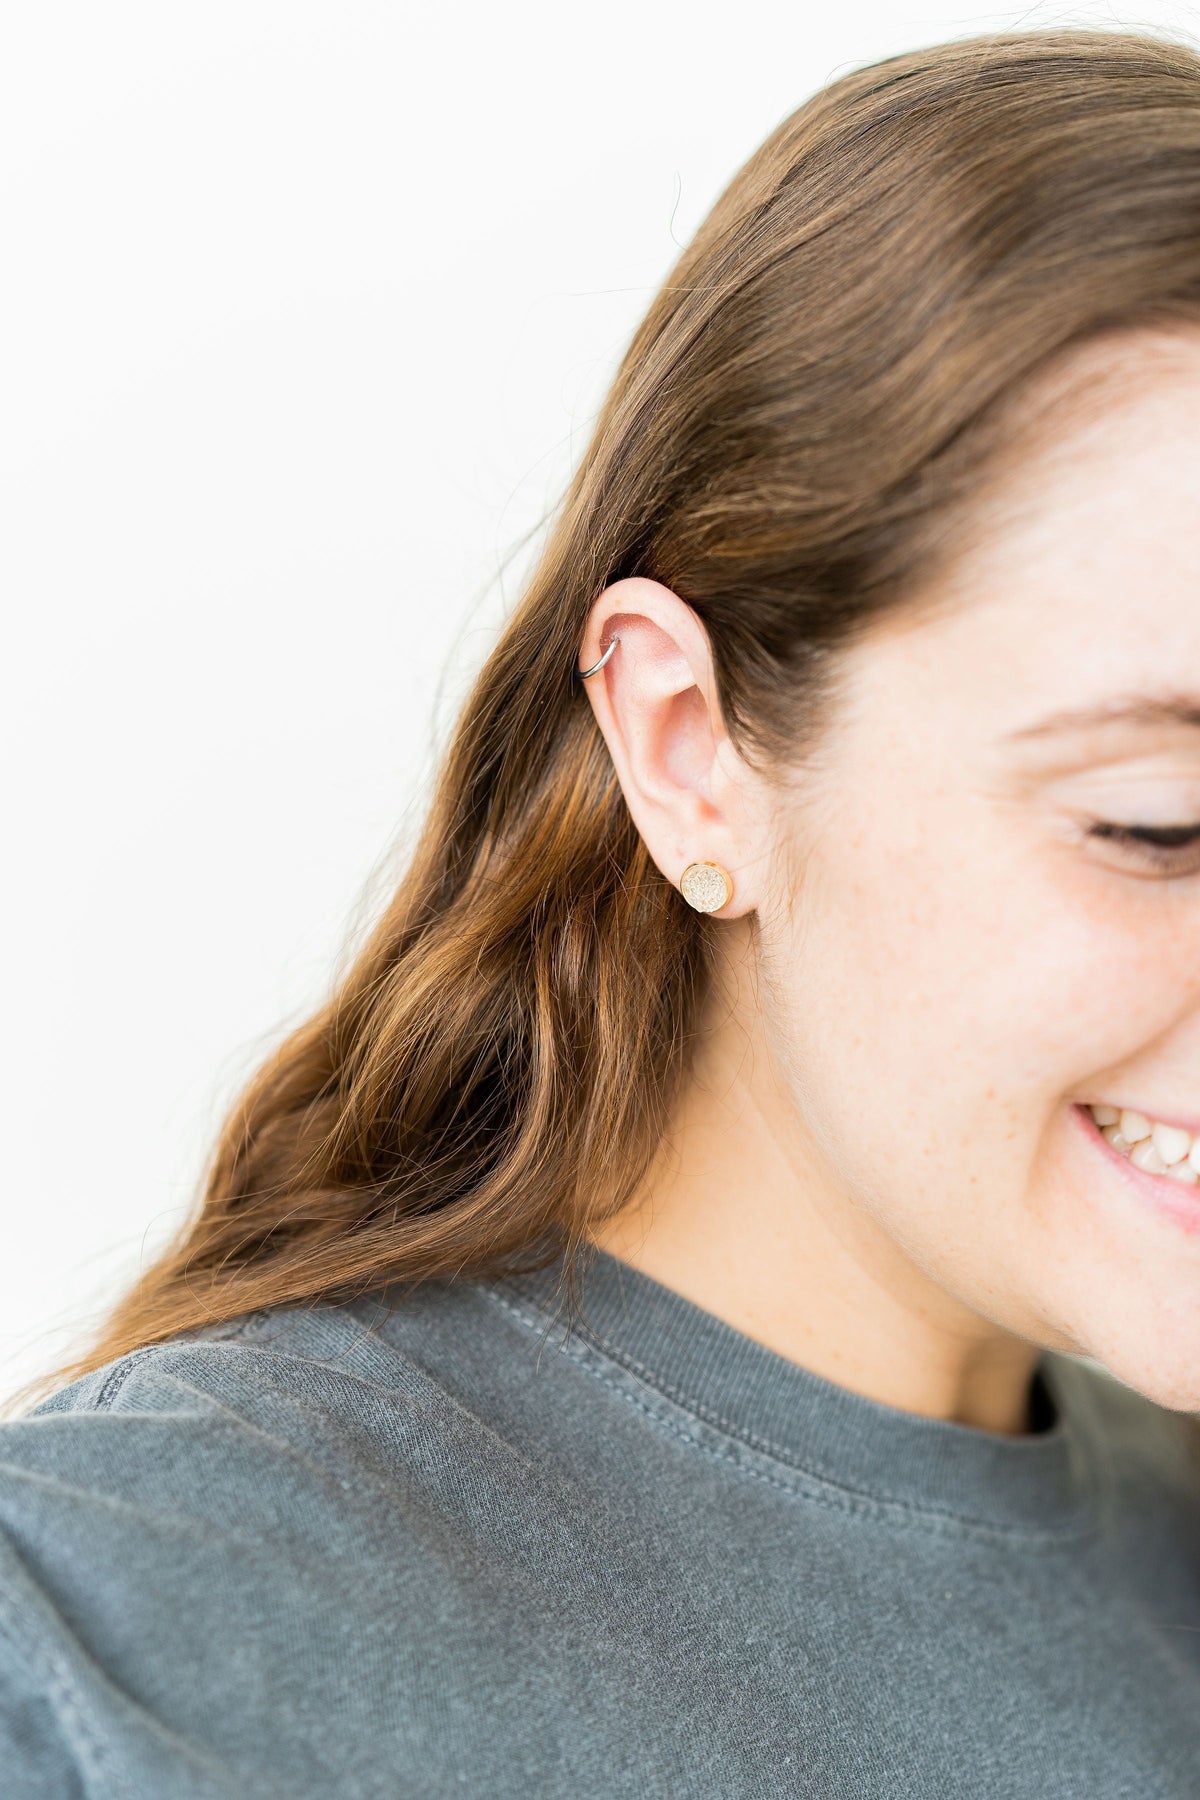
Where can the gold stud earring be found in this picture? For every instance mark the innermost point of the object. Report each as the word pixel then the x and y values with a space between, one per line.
pixel 706 886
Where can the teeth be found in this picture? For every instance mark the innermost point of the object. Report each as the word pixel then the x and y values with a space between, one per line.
pixel 1146 1157
pixel 1171 1143
pixel 1157 1148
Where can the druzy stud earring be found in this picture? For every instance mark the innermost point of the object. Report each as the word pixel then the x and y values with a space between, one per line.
pixel 706 886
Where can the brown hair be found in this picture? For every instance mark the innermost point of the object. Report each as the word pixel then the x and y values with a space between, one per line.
pixel 797 430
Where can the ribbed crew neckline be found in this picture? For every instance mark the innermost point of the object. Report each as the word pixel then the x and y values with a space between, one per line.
pixel 1043 1482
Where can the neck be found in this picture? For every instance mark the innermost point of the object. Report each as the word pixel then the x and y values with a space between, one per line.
pixel 742 1213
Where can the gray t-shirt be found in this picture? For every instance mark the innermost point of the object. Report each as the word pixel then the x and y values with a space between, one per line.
pixel 453 1550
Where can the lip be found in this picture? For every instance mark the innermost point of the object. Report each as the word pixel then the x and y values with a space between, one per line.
pixel 1173 1201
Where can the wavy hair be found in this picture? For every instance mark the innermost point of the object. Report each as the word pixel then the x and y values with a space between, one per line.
pixel 796 438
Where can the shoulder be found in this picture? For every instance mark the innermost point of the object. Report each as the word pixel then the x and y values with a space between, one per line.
pixel 248 1440
pixel 173 1523
pixel 212 1444
pixel 186 1442
pixel 263 1390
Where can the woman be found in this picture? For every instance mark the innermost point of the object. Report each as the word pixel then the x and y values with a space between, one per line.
pixel 711 1306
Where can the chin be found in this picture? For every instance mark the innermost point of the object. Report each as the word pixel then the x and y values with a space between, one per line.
pixel 1169 1380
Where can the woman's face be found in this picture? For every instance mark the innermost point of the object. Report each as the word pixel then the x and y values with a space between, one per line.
pixel 958 957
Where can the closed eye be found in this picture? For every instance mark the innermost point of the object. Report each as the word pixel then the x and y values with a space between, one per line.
pixel 1162 846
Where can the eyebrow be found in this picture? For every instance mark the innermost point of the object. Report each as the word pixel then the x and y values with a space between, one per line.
pixel 1123 709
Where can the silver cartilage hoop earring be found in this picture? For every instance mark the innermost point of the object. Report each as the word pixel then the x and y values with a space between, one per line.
pixel 584 673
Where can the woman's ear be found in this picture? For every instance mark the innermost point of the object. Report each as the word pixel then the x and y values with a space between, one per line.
pixel 690 794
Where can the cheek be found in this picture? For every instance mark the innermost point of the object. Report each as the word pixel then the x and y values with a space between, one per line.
pixel 938 989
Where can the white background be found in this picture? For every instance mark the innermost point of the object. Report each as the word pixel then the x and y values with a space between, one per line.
pixel 305 313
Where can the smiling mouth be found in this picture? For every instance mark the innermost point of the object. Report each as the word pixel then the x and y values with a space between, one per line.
pixel 1172 1191
pixel 1151 1146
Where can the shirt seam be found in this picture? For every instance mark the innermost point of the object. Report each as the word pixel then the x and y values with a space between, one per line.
pixel 810 1484
pixel 119 1374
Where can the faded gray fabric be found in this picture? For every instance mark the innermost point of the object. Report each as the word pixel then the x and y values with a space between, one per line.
pixel 454 1551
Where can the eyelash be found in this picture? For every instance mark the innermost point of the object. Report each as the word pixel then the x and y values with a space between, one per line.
pixel 1162 846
